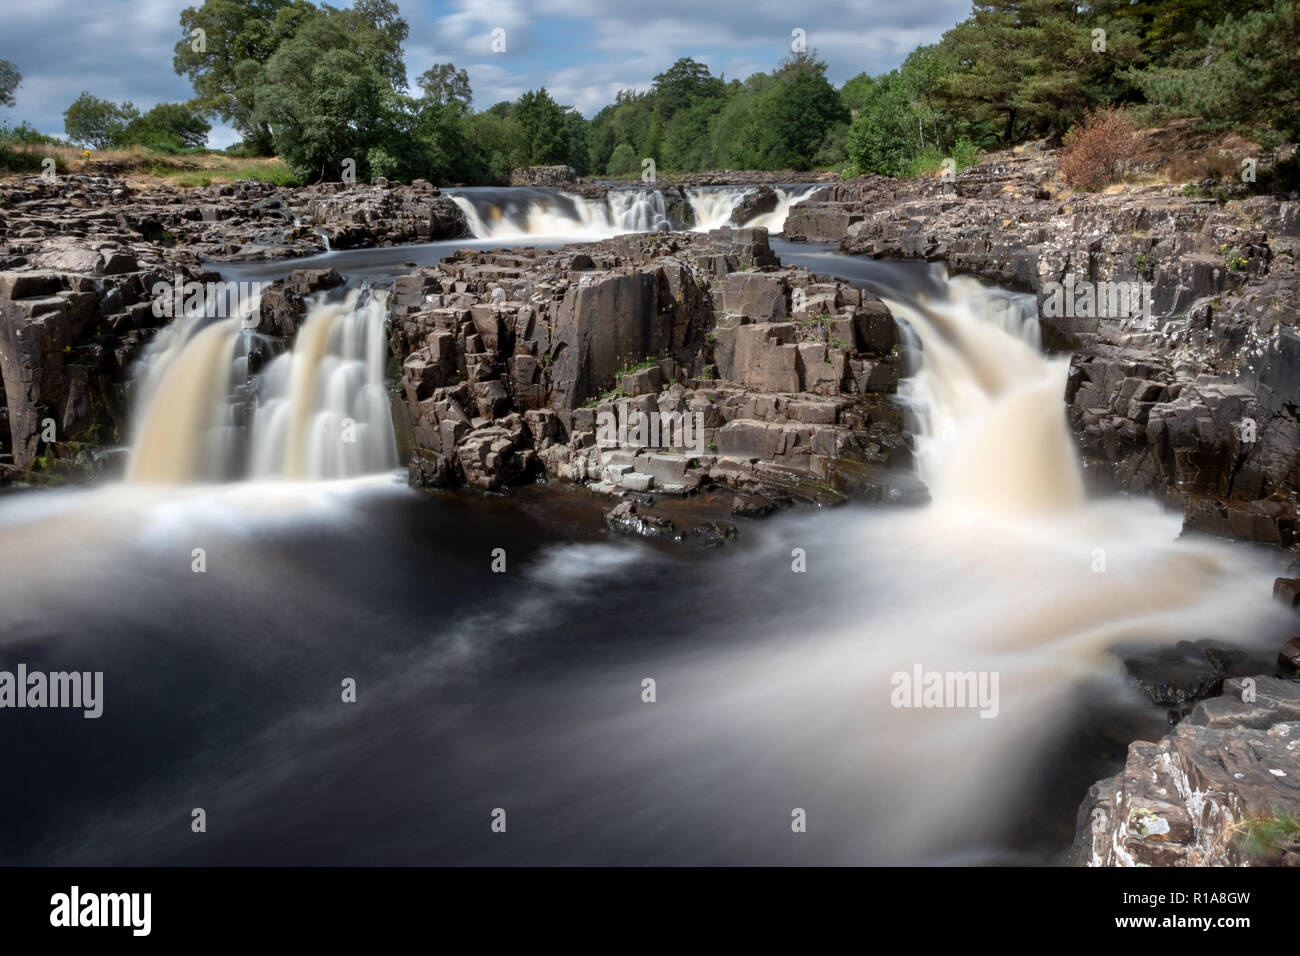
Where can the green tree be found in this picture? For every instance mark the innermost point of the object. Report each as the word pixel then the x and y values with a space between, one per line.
pixel 855 91
pixel 168 126
pixel 1246 76
pixel 325 101
pixel 90 121
pixel 884 135
pixel 1028 66
pixel 445 85
pixel 623 162
pixel 224 50
pixel 798 112
pixel 682 85
pixel 579 154
pixel 541 124
pixel 9 80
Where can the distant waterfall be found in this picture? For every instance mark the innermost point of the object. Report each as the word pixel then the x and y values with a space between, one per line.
pixel 317 411
pixel 526 212
pixel 715 205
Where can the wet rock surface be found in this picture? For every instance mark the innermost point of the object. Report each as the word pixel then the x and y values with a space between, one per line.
pixel 562 356
pixel 1223 789
pixel 1195 403
pixel 82 258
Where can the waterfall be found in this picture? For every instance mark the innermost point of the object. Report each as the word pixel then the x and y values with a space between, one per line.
pixel 714 206
pixel 992 429
pixel 525 212
pixel 317 411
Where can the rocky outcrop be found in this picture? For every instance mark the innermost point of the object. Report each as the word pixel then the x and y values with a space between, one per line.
pixel 559 176
pixel 1223 789
pixel 1193 399
pixel 73 317
pixel 234 221
pixel 82 258
pixel 747 177
pixel 549 361
pixel 359 216
pixel 283 304
pixel 762 199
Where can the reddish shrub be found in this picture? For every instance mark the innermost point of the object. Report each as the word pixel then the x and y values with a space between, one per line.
pixel 1100 151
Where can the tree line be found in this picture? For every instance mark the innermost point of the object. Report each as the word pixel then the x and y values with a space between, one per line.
pixel 318 85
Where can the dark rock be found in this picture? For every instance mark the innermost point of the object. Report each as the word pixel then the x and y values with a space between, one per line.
pixel 713 534
pixel 1288 659
pixel 1209 793
pixel 284 302
pixel 625 519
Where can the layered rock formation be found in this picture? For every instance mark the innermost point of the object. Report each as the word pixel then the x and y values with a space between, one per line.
pixel 1221 790
pixel 80 257
pixel 512 361
pixel 1197 402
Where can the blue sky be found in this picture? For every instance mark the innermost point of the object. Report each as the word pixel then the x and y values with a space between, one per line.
pixel 583 51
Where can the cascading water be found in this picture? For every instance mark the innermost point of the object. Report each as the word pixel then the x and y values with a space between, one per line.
pixel 776 689
pixel 524 212
pixel 713 207
pixel 530 212
pixel 317 411
pixel 993 430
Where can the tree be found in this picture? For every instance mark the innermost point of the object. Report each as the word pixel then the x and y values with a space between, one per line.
pixel 798 112
pixel 541 126
pixel 855 91
pixel 682 85
pixel 623 162
pixel 9 80
pixel 377 31
pixel 1029 67
pixel 90 121
pixel 1168 28
pixel 168 126
pixel 884 135
pixel 225 62
pixel 325 102
pixel 445 85
pixel 1246 76
pixel 579 156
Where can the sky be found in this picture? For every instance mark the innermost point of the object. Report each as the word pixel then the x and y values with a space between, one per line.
pixel 582 51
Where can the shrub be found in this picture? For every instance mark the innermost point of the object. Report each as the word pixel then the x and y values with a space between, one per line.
pixel 1100 151
pixel 930 160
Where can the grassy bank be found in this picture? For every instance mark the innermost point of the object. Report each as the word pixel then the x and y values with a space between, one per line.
pixel 188 169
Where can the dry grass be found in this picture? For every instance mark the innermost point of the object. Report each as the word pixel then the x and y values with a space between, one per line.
pixel 182 169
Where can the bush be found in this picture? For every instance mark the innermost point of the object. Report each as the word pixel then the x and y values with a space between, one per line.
pixel 623 162
pixel 27 134
pixel 930 160
pixel 1099 152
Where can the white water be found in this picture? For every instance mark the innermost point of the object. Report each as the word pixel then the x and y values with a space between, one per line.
pixel 320 409
pixel 759 711
pixel 522 213
pixel 714 206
